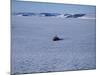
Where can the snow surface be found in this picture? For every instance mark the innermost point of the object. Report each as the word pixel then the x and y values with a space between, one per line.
pixel 34 51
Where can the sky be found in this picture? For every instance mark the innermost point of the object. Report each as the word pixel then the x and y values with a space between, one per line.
pixel 26 6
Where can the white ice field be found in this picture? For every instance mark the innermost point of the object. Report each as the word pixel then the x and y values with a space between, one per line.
pixel 33 50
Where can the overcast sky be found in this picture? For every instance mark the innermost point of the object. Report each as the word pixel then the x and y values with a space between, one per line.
pixel 21 6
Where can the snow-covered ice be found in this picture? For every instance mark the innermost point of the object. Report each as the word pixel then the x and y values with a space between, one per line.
pixel 34 51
